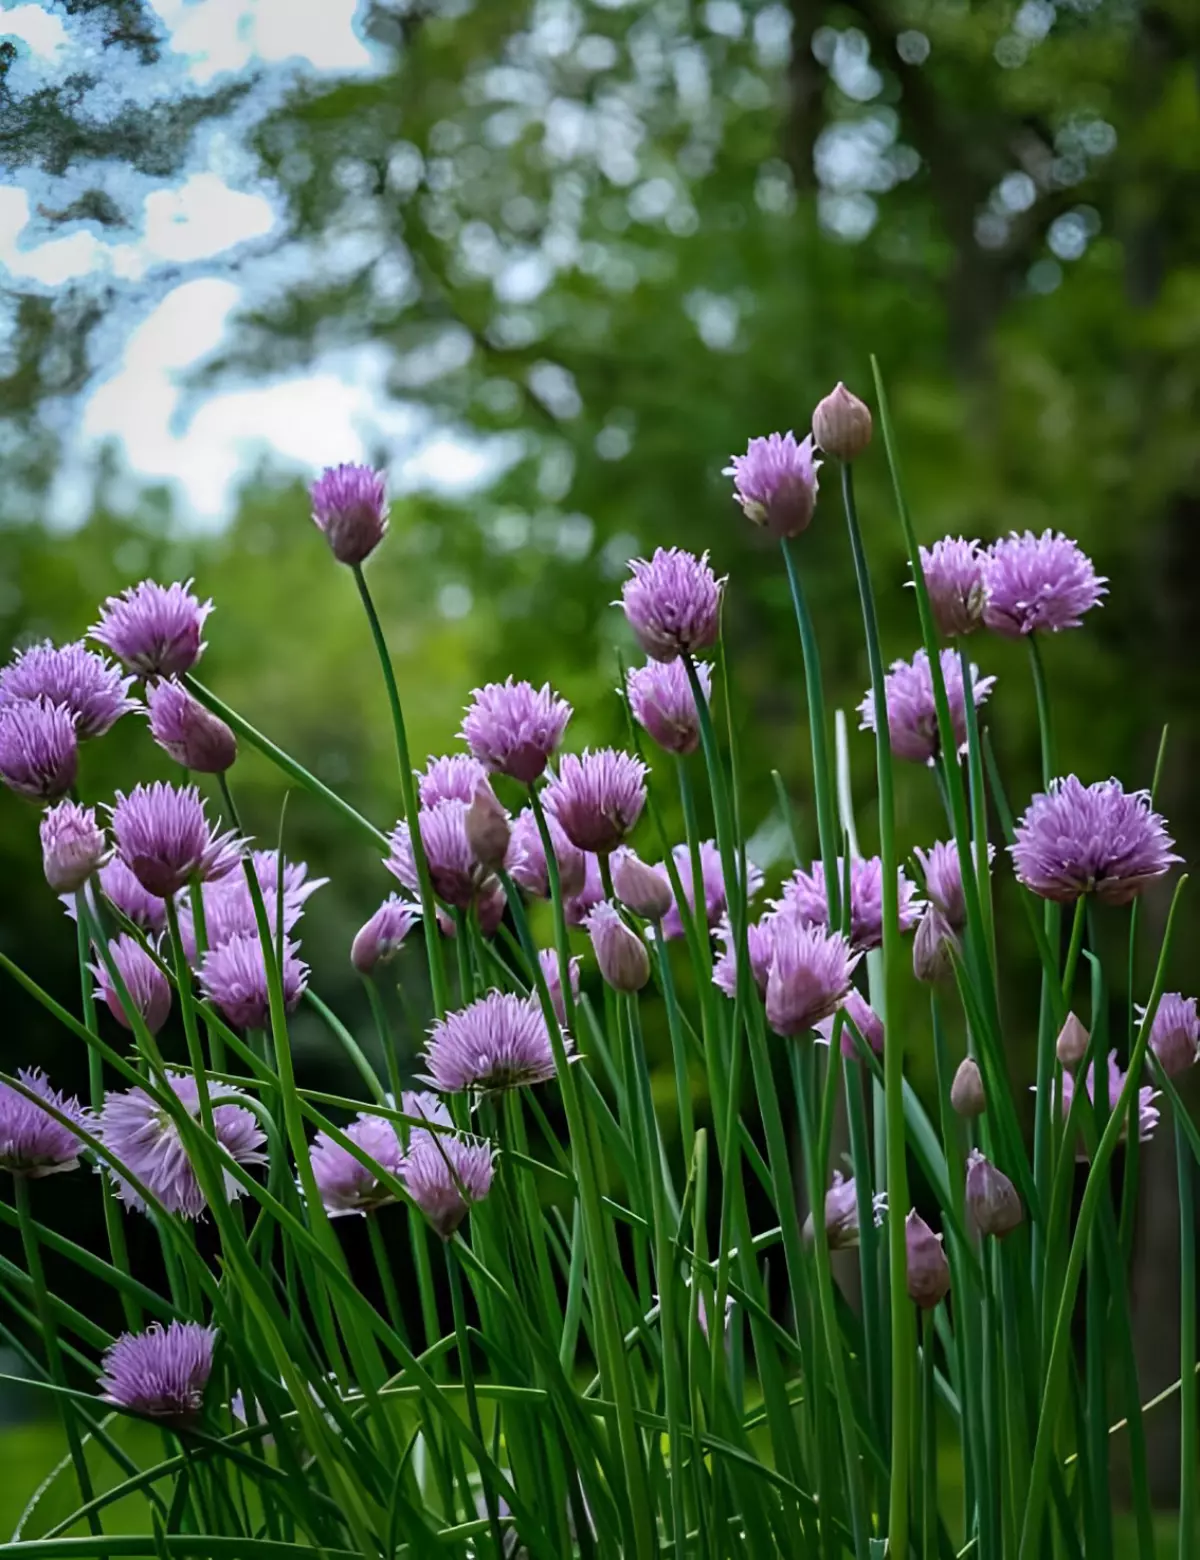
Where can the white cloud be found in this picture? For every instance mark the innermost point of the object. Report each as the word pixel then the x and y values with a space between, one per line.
pixel 40 29
pixel 226 35
pixel 202 217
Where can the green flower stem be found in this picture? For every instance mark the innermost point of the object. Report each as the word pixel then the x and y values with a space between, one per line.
pixel 387 1279
pixel 216 1045
pixel 979 823
pixel 1041 690
pixel 37 1278
pixel 902 1327
pixel 183 985
pixel 468 1376
pixel 562 938
pixel 815 695
pixel 286 763
pixel 929 1512
pixel 691 826
pixel 1095 1189
pixel 683 1087
pixel 1187 1346
pixel 408 792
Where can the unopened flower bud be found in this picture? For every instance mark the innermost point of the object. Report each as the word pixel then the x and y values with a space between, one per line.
pixel 933 947
pixel 841 424
pixel 620 952
pixel 841 1213
pixel 928 1274
pixel 72 846
pixel 640 887
pixel 966 1092
pixel 192 735
pixel 487 828
pixel 381 938
pixel 991 1197
pixel 1072 1043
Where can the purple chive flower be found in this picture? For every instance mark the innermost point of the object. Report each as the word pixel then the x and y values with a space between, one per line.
pixel 1038 584
pixel 842 1227
pixel 346 1185
pixel 552 974
pixel 452 778
pixel 154 629
pixel 661 699
pixel 149 989
pixel 775 482
pixel 713 881
pixel 381 938
pixel 453 870
pixel 165 839
pixel 579 906
pixel 139 1133
pixel 32 1142
pixel 864 1018
pixel 497 1042
pixel 233 976
pixel 953 570
pixel 934 947
pixel 760 943
pixel 73 846
pixel 804 893
pixel 673 603
pixel 992 1199
pixel 1175 1033
pixel 513 727
pixel 597 797
pixel 528 859
pixel 1147 1111
pixel 92 688
pixel 349 505
pixel 445 1175
pixel 161 1372
pixel 810 974
pixel 928 1274
pixel 1091 839
pixel 620 952
pixel 126 894
pixel 184 729
pixel 912 716
pixel 943 881
pixel 39 751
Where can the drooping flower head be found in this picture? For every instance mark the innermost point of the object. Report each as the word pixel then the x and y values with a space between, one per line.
pixel 841 424
pixel 513 728
pixel 1038 584
pixel 163 835
pixel 620 953
pixel 663 704
pixel 642 889
pixel 928 1275
pixel 497 1042
pixel 1147 1111
pixel 149 989
pixel 32 1142
pixel 138 1132
pixel 991 1198
pixel 527 858
pixel 810 974
pixel 1175 1033
pixel 233 975
pixel 489 828
pixel 552 975
pixel 453 870
pixel 184 729
pixel 864 1018
pixel 445 1175
pixel 842 1228
pixel 775 482
pixel 380 939
pixel 804 893
pixel 91 687
pixel 1091 839
pixel 953 570
pixel 73 846
pixel 760 944
pixel 597 797
pixel 39 751
pixel 161 1372
pixel 673 603
pixel 912 714
pixel 349 505
pixel 712 882
pixel 347 1185
pixel 451 778
pixel 154 629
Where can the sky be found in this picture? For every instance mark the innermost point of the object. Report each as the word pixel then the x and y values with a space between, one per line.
pixel 217 212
